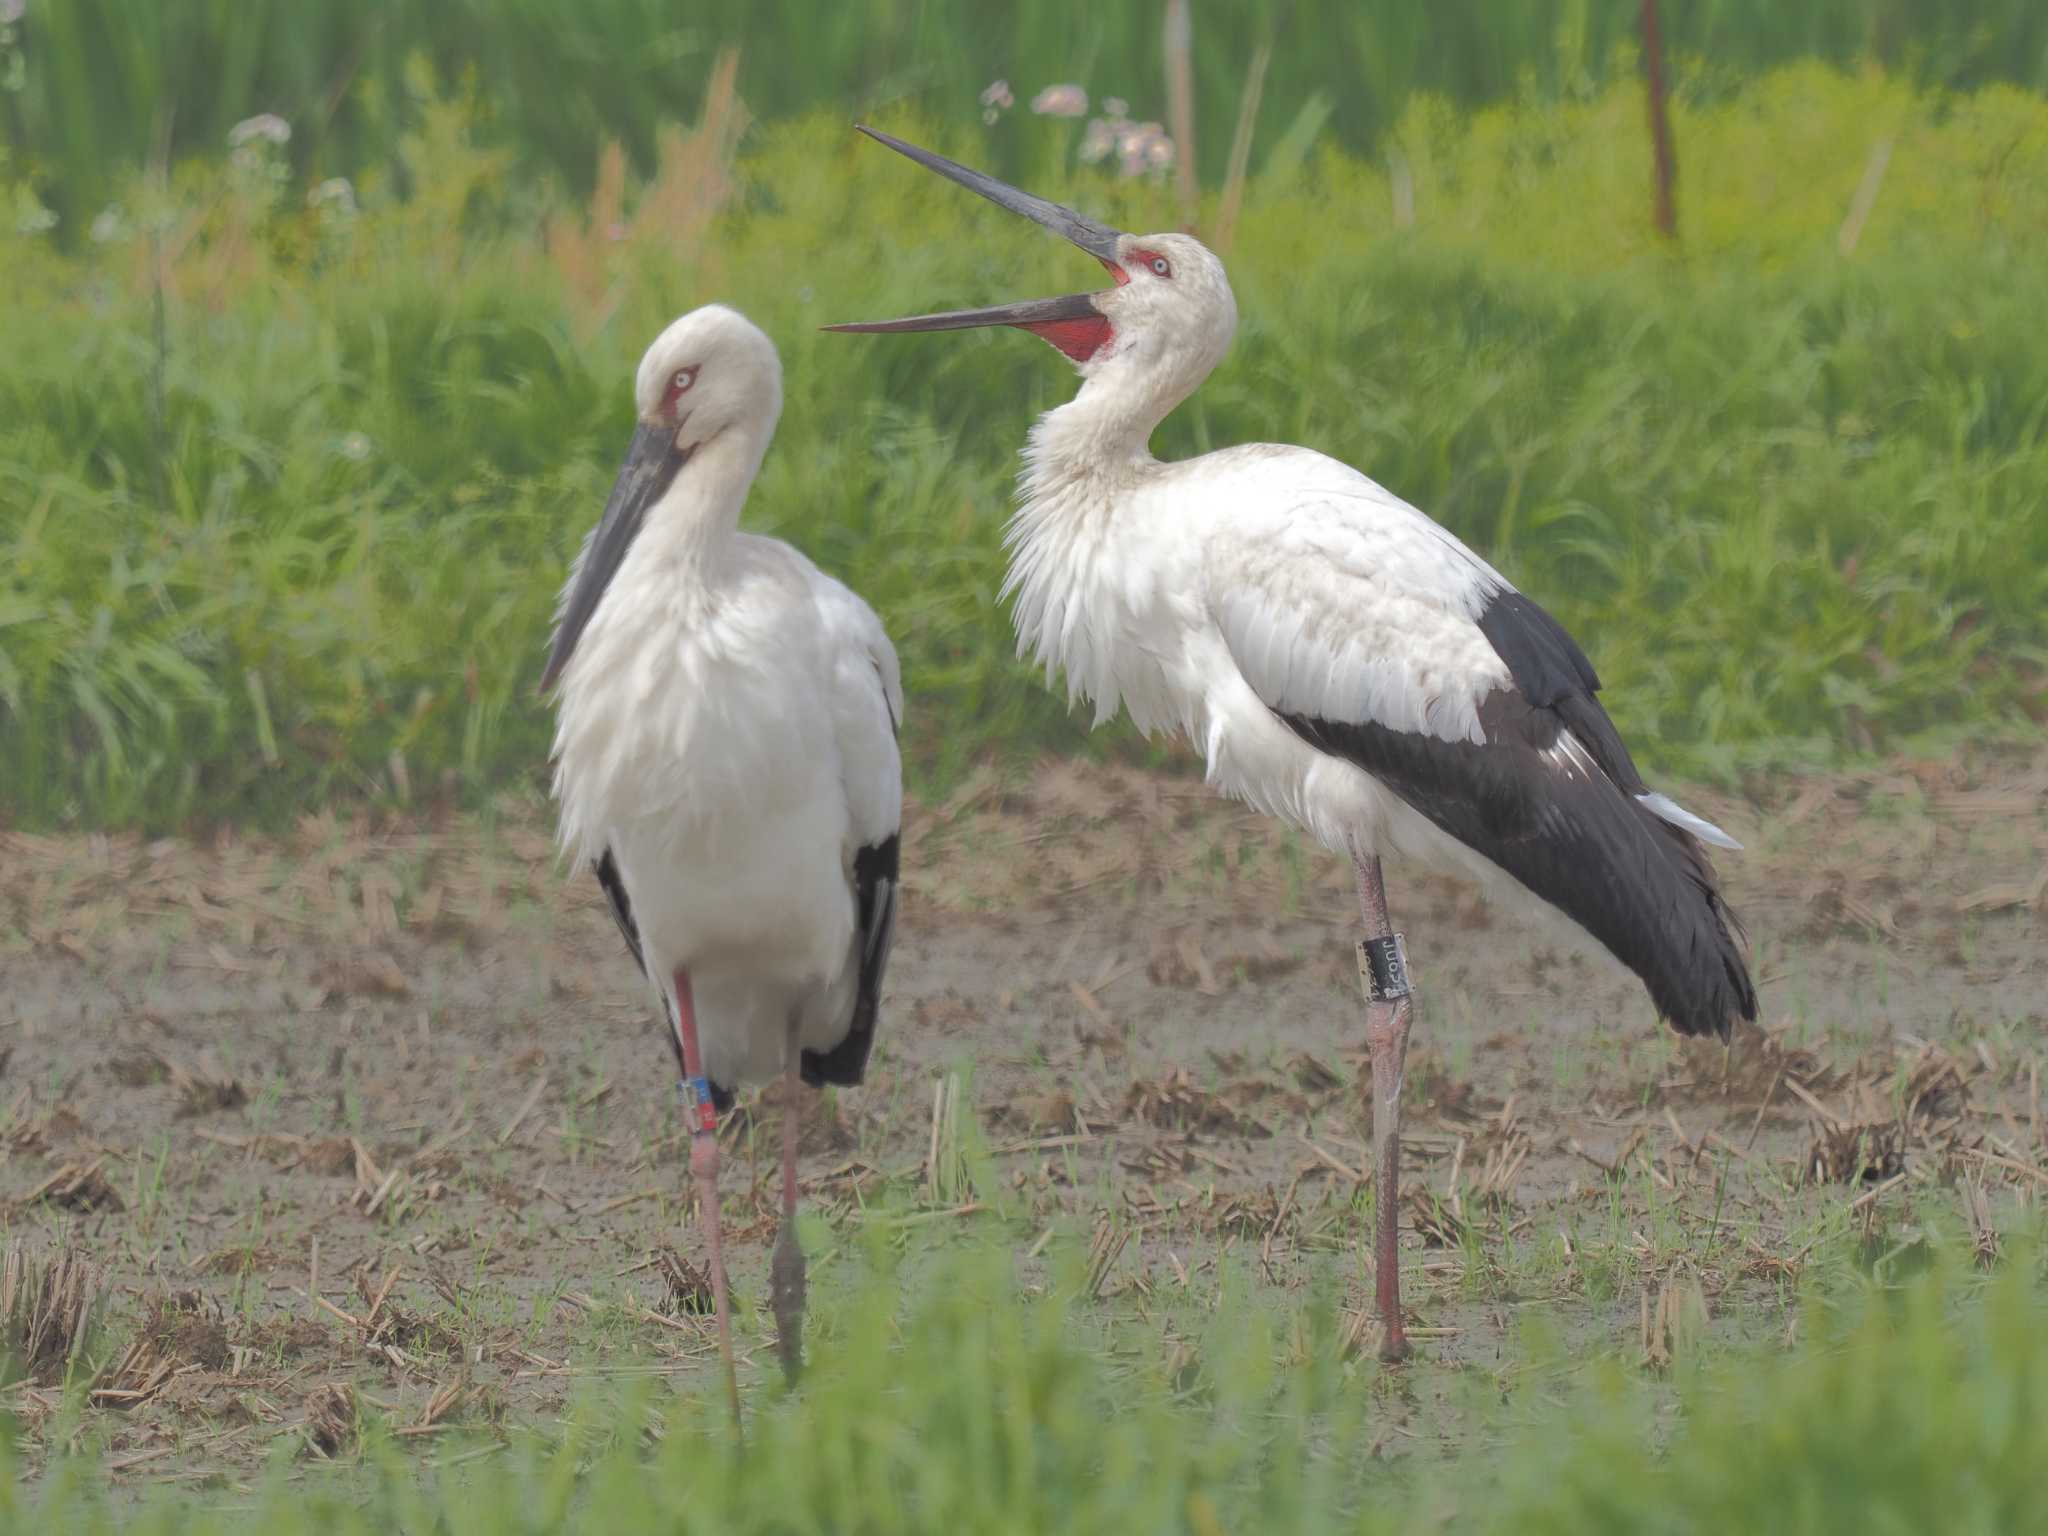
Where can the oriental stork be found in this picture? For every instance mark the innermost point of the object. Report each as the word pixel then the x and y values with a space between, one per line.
pixel 726 765
pixel 1340 660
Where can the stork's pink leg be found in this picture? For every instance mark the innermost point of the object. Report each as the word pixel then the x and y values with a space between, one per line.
pixel 704 1165
pixel 1383 971
pixel 786 1265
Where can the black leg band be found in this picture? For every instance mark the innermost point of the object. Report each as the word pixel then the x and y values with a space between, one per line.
pixel 1383 967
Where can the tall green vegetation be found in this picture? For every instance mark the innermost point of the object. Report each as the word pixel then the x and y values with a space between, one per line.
pixel 109 84
pixel 295 530
pixel 1918 1407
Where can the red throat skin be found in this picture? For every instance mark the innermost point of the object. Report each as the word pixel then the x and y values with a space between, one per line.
pixel 1079 339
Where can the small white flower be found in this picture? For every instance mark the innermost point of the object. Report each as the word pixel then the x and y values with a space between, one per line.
pixel 109 226
pixel 11 11
pixel 1144 147
pixel 336 192
pixel 31 217
pixel 1060 101
pixel 998 96
pixel 355 447
pixel 1098 140
pixel 1116 106
pixel 265 126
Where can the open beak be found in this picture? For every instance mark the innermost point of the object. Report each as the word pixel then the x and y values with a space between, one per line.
pixel 650 468
pixel 1069 322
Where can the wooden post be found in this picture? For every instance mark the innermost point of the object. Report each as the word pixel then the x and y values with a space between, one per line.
pixel 1866 196
pixel 1660 124
pixel 1180 98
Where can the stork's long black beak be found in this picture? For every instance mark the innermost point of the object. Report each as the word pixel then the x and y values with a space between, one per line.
pixel 1026 312
pixel 650 468
pixel 1098 240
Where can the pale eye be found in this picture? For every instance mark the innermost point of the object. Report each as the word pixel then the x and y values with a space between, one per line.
pixel 684 378
pixel 1162 267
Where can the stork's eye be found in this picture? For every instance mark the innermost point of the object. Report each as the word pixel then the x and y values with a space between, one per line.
pixel 684 378
pixel 1152 262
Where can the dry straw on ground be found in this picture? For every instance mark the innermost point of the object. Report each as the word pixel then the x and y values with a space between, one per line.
pixel 49 1301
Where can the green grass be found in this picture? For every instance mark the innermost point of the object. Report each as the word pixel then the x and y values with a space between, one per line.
pixel 1914 1404
pixel 307 547
pixel 105 84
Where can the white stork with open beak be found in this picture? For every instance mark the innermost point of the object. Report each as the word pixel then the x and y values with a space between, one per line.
pixel 1341 661
pixel 726 764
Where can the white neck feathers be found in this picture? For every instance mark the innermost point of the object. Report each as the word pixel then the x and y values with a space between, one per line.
pixel 701 509
pixel 1081 462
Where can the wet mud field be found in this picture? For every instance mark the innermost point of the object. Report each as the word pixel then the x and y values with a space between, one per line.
pixel 379 1120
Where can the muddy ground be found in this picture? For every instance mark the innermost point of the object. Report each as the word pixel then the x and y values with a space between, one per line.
pixel 381 1120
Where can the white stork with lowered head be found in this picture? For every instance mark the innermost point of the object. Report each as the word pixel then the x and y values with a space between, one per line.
pixel 726 764
pixel 1341 661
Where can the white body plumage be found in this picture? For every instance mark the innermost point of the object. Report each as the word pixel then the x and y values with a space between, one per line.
pixel 726 732
pixel 1180 592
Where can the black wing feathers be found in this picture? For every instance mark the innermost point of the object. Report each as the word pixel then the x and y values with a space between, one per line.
pixel 874 889
pixel 1551 672
pixel 1573 839
pixel 1543 658
pixel 1577 838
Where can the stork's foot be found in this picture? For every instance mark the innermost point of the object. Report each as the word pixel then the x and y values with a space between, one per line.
pixel 786 1281
pixel 1394 1345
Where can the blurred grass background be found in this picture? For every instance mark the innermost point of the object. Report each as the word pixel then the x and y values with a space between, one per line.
pixel 290 469
pixel 110 84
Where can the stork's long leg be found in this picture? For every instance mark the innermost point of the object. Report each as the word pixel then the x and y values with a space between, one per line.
pixel 786 1266
pixel 1383 970
pixel 704 1165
